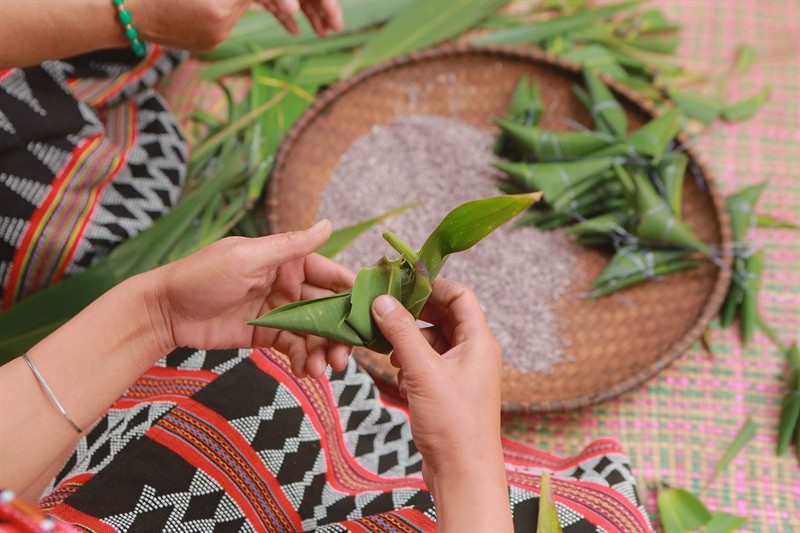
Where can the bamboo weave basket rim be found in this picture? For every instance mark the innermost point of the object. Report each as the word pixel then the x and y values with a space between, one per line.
pixel 712 303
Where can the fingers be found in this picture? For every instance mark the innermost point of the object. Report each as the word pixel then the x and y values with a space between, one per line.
pixel 284 11
pixel 456 308
pixel 411 350
pixel 327 274
pixel 315 16
pixel 275 250
pixel 333 14
pixel 337 356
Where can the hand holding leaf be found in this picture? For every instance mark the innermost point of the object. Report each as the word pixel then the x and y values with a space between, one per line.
pixel 346 317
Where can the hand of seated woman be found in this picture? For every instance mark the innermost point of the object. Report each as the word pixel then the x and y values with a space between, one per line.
pixel 450 375
pixel 205 300
pixel 202 24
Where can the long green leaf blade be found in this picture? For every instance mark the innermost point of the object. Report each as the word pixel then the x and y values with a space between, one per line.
pixel 790 406
pixel 341 238
pixel 541 30
pixel 421 24
pixel 744 109
pixel 745 435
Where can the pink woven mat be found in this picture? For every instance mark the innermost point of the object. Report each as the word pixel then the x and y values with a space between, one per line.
pixel 676 426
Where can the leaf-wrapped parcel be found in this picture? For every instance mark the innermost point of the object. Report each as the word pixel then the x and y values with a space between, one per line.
pixel 346 317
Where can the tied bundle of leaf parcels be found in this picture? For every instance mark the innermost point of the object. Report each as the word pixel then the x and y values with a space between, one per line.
pixel 623 189
pixel 741 302
pixel 347 317
pixel 636 46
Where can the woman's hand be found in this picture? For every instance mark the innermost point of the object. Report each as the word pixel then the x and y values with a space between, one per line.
pixel 203 24
pixel 205 300
pixel 31 31
pixel 450 375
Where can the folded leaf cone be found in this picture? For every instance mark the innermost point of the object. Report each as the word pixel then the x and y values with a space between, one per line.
pixel 554 178
pixel 658 223
pixel 347 317
pixel 605 109
pixel 543 145
pixel 632 260
pixel 741 207
pixel 525 109
pixel 790 406
pixel 672 170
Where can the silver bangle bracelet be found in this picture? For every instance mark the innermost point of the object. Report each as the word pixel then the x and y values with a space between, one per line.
pixel 50 394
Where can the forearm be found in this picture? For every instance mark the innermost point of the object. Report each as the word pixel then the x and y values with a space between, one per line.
pixel 87 363
pixel 32 31
pixel 475 498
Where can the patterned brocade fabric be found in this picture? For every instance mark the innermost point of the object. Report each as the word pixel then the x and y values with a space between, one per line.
pixel 89 156
pixel 233 441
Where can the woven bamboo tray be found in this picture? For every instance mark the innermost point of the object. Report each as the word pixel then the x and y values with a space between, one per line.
pixel 616 342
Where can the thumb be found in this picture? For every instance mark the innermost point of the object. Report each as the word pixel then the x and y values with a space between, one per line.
pixel 399 327
pixel 285 247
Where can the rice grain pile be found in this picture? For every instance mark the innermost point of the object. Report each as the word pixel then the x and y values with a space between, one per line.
pixel 439 163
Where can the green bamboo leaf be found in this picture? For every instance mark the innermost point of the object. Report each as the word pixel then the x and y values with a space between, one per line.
pixel 789 420
pixel 608 115
pixel 541 30
pixel 741 208
pixel 732 305
pixel 329 45
pixel 705 109
pixel 547 522
pixel 658 223
pixel 652 138
pixel 790 409
pixel 384 278
pixel 322 69
pixel 597 58
pixel 569 199
pixel 752 288
pixel 630 260
pixel 744 109
pixel 525 109
pixel 652 63
pixel 605 224
pixel 421 24
pixel 722 522
pixel 468 224
pixel 745 435
pixel 321 316
pixel 526 103
pixel 680 511
pixel 672 170
pixel 554 178
pixel 745 57
pixel 767 221
pixel 660 45
pixel 341 238
pixel 549 145
pixel 583 97
pixel 653 20
pixel 659 271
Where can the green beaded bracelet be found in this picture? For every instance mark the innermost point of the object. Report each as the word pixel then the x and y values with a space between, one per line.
pixel 131 32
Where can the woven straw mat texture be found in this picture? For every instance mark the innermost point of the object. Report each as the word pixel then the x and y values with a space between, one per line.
pixel 676 426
